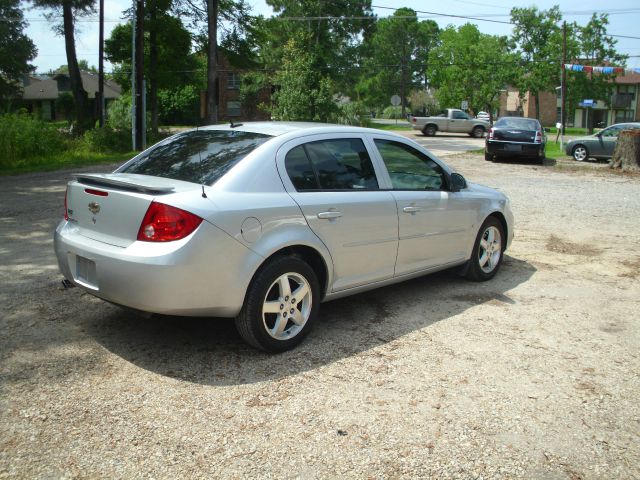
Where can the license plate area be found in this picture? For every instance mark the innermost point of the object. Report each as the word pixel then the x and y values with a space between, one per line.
pixel 85 273
pixel 509 147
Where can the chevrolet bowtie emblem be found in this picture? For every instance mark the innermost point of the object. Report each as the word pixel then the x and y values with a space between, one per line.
pixel 94 207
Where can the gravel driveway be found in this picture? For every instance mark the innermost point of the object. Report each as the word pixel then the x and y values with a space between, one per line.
pixel 532 375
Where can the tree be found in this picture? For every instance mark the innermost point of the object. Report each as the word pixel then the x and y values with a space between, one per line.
pixel 398 53
pixel 16 49
pixel 471 66
pixel 83 65
pixel 590 45
pixel 303 92
pixel 70 10
pixel 539 39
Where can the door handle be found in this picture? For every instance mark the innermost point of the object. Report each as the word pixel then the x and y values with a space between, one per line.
pixel 329 215
pixel 411 209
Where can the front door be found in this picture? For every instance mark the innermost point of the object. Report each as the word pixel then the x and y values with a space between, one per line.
pixel 434 223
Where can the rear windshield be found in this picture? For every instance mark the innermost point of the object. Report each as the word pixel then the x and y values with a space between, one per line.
pixel 201 156
pixel 517 122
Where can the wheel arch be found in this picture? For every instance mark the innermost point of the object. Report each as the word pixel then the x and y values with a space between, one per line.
pixel 430 124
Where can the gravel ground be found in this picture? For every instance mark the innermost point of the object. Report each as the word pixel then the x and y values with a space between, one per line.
pixel 532 375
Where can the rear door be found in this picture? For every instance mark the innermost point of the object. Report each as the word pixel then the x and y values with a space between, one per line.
pixel 335 183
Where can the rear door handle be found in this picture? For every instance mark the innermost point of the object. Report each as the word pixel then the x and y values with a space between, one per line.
pixel 411 209
pixel 329 215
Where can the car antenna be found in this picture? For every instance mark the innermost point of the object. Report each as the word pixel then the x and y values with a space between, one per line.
pixel 234 125
pixel 204 195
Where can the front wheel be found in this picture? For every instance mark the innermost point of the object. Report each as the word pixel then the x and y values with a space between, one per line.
pixel 281 305
pixel 580 153
pixel 477 132
pixel 487 252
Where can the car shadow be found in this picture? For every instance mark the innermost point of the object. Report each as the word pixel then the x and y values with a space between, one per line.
pixel 209 351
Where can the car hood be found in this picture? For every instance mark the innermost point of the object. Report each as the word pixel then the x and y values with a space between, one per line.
pixel 488 191
pixel 581 139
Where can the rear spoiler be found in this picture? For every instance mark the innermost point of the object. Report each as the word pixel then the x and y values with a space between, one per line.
pixel 123 182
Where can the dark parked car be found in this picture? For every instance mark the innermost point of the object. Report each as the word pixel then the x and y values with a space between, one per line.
pixel 601 145
pixel 515 137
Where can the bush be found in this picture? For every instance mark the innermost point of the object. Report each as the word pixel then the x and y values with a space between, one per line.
pixel 119 113
pixel 23 136
pixel 108 140
pixel 180 106
pixel 354 113
pixel 392 112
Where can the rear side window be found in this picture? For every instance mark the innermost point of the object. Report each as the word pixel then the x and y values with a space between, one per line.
pixel 340 164
pixel 201 156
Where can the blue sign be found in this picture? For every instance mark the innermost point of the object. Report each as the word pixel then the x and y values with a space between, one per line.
pixel 587 103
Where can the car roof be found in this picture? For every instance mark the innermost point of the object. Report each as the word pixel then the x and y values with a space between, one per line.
pixel 277 128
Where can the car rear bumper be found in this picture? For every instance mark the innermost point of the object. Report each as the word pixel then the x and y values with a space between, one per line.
pixel 204 274
pixel 514 149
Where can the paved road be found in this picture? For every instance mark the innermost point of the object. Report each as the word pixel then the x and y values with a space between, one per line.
pixel 443 144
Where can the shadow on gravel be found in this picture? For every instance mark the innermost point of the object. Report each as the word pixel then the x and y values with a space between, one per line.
pixel 209 351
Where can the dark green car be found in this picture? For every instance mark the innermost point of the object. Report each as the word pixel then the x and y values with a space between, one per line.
pixel 599 145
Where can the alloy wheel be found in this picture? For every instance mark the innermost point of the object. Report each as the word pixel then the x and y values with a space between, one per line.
pixel 287 306
pixel 490 249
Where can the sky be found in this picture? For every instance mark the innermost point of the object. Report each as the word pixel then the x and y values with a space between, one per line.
pixel 51 53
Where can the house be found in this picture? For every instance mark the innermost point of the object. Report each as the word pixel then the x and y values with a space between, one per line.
pixel 230 107
pixel 40 94
pixel 623 105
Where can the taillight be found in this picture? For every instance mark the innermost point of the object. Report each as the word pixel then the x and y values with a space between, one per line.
pixel 538 137
pixel 164 223
pixel 66 212
pixel 491 134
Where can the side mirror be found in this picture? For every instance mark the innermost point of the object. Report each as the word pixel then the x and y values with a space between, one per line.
pixel 457 182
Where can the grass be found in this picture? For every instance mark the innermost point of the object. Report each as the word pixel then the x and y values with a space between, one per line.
pixel 73 158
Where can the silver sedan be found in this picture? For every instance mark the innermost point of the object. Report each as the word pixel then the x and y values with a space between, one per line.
pixel 263 221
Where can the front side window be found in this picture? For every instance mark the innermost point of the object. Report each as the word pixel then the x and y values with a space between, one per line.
pixel 338 164
pixel 410 169
pixel 199 156
pixel 460 116
pixel 611 132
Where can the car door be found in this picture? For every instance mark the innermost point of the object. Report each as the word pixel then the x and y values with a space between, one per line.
pixel 335 183
pixel 435 224
pixel 608 139
pixel 459 122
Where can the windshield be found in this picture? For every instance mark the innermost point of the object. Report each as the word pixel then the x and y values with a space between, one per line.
pixel 200 156
pixel 519 123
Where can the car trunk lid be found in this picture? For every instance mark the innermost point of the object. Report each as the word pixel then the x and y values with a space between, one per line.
pixel 514 134
pixel 110 207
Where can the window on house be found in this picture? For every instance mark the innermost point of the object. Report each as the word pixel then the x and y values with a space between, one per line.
pixel 234 109
pixel 624 116
pixel 233 81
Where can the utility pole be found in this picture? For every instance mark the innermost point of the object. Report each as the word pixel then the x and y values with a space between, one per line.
pixel 139 75
pixel 563 84
pixel 133 77
pixel 100 98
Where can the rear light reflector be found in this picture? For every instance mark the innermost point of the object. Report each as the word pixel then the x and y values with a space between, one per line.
pixel 66 212
pixel 164 223
pixel 99 193
pixel 491 134
pixel 538 137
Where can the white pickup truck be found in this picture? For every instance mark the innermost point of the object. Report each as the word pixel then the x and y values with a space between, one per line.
pixel 451 120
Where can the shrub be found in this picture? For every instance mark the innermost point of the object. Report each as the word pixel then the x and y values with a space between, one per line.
pixel 354 113
pixel 392 112
pixel 119 113
pixel 180 106
pixel 23 136
pixel 108 140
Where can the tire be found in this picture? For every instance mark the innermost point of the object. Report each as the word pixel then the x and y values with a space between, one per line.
pixel 271 318
pixel 580 153
pixel 477 132
pixel 429 130
pixel 488 157
pixel 481 270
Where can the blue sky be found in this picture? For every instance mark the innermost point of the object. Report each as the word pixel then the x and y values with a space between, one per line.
pixel 51 52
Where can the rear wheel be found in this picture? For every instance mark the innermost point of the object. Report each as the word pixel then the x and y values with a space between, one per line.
pixel 488 157
pixel 580 153
pixel 429 130
pixel 280 306
pixel 487 251
pixel 477 132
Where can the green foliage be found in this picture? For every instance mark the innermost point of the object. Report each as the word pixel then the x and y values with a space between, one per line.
pixel 119 113
pixel 353 113
pixel 482 66
pixel 23 136
pixel 16 49
pixel 423 103
pixel 108 140
pixel 397 57
pixel 251 86
pixel 180 106
pixel 65 104
pixel 304 93
pixel 392 112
